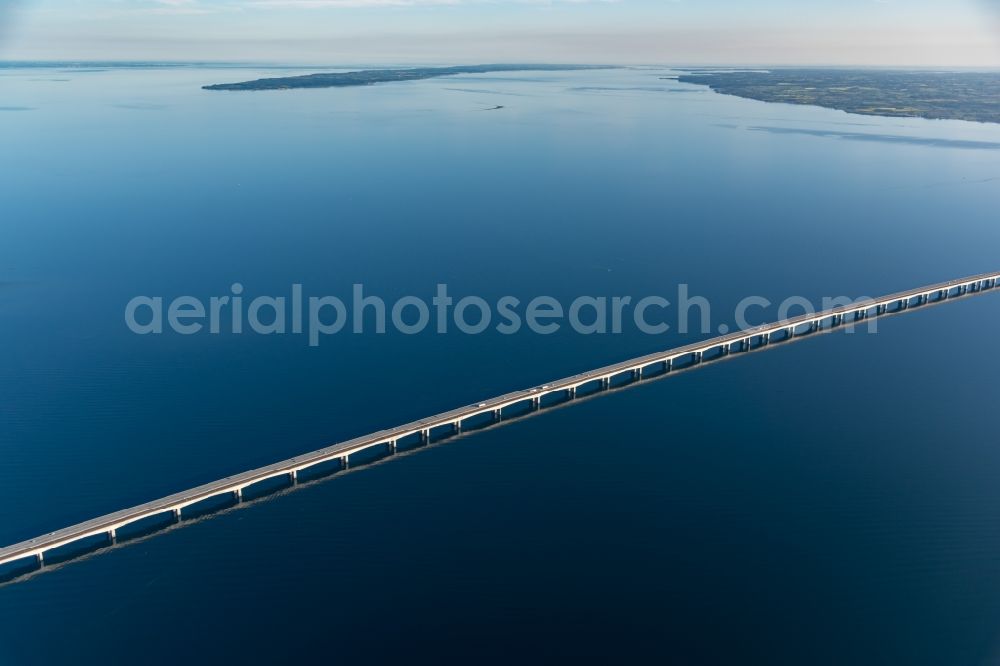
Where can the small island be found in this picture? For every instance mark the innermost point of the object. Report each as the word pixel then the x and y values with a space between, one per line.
pixel 910 94
pixel 369 77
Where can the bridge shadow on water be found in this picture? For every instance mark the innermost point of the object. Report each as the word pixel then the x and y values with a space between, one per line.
pixel 147 528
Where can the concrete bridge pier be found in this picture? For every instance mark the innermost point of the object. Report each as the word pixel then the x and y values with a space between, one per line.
pixel 112 537
pixel 668 365
pixel 345 462
pixel 177 515
pixel 425 436
pixel 40 559
pixel 605 382
pixel 293 476
pixel 496 414
pixel 392 447
pixel 456 427
pixel 238 494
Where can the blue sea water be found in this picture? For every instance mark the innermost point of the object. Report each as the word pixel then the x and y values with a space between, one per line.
pixel 826 502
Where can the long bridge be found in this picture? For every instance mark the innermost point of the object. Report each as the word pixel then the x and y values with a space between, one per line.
pixel 452 421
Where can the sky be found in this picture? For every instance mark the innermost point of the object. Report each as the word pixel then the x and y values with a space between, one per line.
pixel 946 33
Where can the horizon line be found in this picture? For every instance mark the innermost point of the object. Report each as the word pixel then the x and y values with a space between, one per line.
pixel 292 63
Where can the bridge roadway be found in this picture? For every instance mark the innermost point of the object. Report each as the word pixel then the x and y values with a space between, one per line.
pixel 453 419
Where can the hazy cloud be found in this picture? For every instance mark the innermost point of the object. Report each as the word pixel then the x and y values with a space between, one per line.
pixel 708 32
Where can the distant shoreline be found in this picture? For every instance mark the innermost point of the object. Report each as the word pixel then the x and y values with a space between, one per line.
pixel 371 76
pixel 935 95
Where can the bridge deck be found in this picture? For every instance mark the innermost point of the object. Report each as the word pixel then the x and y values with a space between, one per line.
pixel 106 524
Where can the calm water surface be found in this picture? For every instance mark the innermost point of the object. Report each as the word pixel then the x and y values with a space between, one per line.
pixel 832 501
